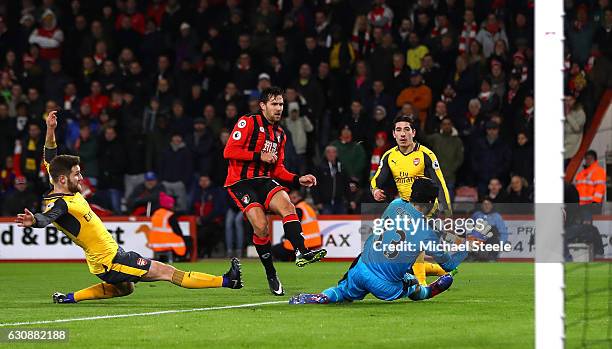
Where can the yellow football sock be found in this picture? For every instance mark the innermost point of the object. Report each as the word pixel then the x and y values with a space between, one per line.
pixel 433 269
pixel 418 269
pixel 193 279
pixel 97 291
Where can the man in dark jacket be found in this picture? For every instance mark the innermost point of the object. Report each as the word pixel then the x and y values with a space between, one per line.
pixel 111 167
pixel 19 199
pixel 491 157
pixel 209 205
pixel 176 170
pixel 201 143
pixel 144 194
pixel 330 192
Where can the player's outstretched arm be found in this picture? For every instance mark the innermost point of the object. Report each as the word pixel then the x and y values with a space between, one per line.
pixel 50 150
pixel 41 220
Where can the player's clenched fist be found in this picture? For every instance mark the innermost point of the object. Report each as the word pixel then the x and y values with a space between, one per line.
pixel 379 194
pixel 268 158
pixel 308 180
pixel 52 120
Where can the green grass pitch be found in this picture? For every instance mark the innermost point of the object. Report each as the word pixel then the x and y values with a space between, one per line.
pixel 490 305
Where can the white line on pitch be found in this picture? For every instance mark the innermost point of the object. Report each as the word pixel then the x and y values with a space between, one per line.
pixel 161 312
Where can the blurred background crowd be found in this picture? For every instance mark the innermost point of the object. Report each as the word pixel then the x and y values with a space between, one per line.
pixel 149 89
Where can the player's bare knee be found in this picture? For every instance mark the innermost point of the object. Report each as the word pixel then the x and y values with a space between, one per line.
pixel 261 229
pixel 287 209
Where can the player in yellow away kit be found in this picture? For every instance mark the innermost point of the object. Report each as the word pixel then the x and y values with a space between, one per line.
pixel 68 210
pixel 405 162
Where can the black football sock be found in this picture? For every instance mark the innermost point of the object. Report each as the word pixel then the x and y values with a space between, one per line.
pixel 264 250
pixel 293 232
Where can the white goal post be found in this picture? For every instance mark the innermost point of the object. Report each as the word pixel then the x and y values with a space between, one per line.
pixel 549 283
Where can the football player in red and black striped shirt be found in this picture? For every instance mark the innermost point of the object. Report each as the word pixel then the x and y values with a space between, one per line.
pixel 256 152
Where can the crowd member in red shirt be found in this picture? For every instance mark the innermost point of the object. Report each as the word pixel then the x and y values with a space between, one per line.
pixel 96 100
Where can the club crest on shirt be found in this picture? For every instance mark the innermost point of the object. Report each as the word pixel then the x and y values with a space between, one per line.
pixel 141 262
pixel 246 199
pixel 270 147
pixel 416 161
pixel 49 206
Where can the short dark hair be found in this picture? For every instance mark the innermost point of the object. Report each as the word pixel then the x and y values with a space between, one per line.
pixel 423 191
pixel 62 165
pixel 592 153
pixel 269 93
pixel 404 118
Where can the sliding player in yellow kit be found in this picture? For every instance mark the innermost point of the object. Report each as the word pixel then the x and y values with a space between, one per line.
pixel 68 210
pixel 405 162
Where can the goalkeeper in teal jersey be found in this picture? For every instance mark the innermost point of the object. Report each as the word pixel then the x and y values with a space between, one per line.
pixel 382 269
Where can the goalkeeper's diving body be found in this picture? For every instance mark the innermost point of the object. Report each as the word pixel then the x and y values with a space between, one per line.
pixel 382 269
pixel 69 212
pixel 403 163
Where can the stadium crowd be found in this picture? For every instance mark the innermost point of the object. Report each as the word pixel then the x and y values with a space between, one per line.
pixel 149 89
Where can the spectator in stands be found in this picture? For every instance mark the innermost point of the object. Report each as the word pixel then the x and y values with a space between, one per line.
pixel 20 198
pixel 416 51
pixel 111 166
pixel 357 120
pixel 433 76
pixel 382 145
pixel 8 132
pixel 519 193
pixel 298 126
pixel 490 32
pixel 468 32
pixel 448 147
pixel 330 193
pixel 603 34
pixel 351 154
pixel 591 185
pixel 580 34
pixel 145 197
pixel 234 230
pixel 524 119
pixel 360 83
pixel 176 168
pixel 470 125
pixel 201 144
pixel 355 196
pixel 432 125
pixel 489 101
pixel 418 95
pixel 495 191
pixel 96 100
pixel 31 156
pixel 401 75
pixel 86 147
pixel 488 215
pixel 7 176
pixel 522 157
pixel 490 157
pixel 180 123
pixel 573 127
pixel 48 36
pixel 209 205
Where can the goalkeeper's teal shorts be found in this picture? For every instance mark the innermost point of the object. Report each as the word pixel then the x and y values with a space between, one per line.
pixel 361 280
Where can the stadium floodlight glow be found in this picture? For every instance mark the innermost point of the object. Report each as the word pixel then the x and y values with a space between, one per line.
pixel 549 306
